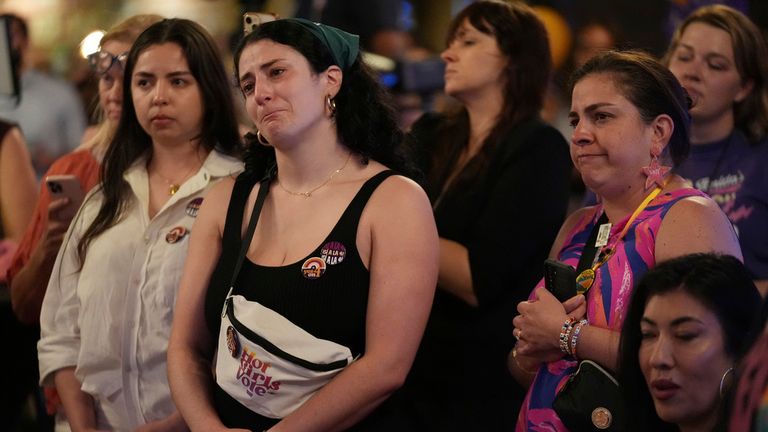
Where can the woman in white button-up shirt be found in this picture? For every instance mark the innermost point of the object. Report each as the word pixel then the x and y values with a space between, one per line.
pixel 107 312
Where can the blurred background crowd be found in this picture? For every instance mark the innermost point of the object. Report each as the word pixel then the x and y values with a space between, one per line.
pixel 410 32
pixel 59 109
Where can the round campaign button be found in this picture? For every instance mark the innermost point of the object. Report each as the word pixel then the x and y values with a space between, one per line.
pixel 602 418
pixel 333 252
pixel 233 343
pixel 193 207
pixel 175 234
pixel 313 268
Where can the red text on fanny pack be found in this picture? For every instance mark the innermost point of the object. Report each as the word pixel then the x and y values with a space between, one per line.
pixel 252 374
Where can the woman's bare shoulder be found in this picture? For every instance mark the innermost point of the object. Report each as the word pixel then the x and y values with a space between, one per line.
pixel 695 224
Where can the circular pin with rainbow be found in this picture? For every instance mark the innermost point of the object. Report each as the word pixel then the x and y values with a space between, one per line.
pixel 313 268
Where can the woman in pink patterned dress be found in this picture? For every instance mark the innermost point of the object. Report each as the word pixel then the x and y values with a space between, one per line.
pixel 630 118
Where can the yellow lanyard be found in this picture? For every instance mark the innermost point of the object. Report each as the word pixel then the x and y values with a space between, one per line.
pixel 586 278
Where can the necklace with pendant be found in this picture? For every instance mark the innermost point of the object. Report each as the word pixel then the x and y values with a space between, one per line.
pixel 174 187
pixel 308 194
pixel 586 278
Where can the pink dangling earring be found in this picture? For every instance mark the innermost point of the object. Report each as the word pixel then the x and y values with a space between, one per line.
pixel 655 172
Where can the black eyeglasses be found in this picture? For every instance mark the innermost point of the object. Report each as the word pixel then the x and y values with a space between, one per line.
pixel 102 61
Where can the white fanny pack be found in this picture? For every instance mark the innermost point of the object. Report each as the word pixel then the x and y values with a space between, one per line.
pixel 263 360
pixel 269 364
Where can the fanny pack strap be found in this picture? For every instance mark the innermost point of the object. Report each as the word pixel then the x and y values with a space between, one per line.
pixel 246 242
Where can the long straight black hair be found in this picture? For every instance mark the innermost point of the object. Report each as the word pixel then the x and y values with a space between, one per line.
pixel 218 129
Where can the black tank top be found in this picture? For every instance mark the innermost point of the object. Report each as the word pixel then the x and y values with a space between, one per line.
pixel 325 293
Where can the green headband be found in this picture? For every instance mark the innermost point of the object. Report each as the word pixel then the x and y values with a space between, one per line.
pixel 343 46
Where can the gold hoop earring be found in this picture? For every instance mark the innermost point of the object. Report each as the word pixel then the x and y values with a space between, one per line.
pixel 331 104
pixel 261 138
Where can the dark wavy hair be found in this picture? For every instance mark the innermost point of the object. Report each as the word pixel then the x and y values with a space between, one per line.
pixel 365 116
pixel 724 286
pixel 522 39
pixel 749 54
pixel 219 128
pixel 651 88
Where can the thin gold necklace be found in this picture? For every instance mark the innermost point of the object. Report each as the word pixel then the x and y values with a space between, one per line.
pixel 308 194
pixel 174 187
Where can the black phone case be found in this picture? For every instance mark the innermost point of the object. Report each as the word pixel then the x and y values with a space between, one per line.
pixel 560 279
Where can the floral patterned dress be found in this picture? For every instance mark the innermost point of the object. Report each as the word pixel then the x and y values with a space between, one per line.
pixel 607 300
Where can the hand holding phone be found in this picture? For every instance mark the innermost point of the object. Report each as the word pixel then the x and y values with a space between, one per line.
pixel 251 20
pixel 66 186
pixel 560 279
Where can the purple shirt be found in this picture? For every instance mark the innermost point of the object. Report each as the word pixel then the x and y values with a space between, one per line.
pixel 735 174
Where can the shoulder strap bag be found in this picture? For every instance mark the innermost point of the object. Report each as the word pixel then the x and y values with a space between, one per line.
pixel 590 400
pixel 263 360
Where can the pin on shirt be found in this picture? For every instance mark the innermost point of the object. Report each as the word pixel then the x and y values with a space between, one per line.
pixel 193 207
pixel 313 268
pixel 333 252
pixel 176 234
pixel 585 280
pixel 233 343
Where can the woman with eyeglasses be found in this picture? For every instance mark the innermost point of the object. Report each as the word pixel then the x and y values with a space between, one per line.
pixel 106 315
pixel 32 264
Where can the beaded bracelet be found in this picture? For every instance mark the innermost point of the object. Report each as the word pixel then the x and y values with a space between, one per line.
pixel 576 331
pixel 565 333
pixel 566 348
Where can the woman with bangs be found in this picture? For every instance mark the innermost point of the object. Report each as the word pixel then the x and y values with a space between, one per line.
pixel 107 311
pixel 498 182
pixel 30 268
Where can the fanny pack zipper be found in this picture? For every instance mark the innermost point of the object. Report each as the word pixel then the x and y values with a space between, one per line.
pixel 252 336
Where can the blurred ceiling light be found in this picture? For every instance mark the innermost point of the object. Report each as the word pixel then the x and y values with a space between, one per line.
pixel 90 43
pixel 378 62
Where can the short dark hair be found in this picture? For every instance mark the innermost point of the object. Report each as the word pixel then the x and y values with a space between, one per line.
pixel 719 282
pixel 365 116
pixel 219 128
pixel 650 87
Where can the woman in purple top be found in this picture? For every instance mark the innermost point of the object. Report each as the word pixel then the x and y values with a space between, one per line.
pixel 719 55
pixel 630 118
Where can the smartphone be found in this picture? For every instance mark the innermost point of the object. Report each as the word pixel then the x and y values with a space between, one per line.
pixel 251 20
pixel 560 279
pixel 66 186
